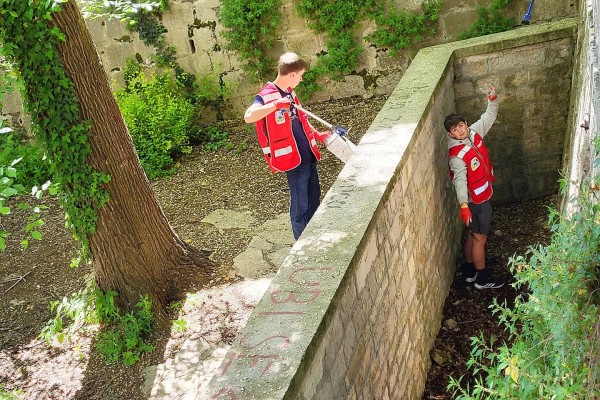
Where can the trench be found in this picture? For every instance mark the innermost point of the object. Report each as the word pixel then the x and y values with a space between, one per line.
pixel 356 306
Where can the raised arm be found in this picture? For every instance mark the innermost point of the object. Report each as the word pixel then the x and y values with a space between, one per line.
pixel 487 119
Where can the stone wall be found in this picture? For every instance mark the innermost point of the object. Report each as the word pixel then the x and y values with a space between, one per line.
pixel 195 32
pixel 356 306
pixel 528 138
pixel 584 119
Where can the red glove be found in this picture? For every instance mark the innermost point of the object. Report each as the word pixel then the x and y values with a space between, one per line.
pixel 465 215
pixel 490 91
pixel 283 102
pixel 322 136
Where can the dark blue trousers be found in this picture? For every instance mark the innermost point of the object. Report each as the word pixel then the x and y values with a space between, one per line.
pixel 305 194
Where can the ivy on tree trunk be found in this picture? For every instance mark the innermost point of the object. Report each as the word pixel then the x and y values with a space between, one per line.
pixel 134 250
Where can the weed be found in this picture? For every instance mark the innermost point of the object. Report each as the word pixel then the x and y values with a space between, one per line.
pixel 552 325
pixel 123 336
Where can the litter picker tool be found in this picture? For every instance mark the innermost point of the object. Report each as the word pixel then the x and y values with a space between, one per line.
pixel 527 16
pixel 338 143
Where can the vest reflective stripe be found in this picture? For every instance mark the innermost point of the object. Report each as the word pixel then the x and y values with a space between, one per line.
pixel 481 189
pixel 283 152
pixel 464 151
pixel 275 135
pixel 271 97
pixel 480 175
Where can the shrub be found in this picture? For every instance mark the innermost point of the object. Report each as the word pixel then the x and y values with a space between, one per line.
pixel 122 338
pixel 158 117
pixel 552 325
pixel 33 167
pixel 491 20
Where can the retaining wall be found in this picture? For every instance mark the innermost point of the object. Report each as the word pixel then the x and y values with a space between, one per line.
pixel 194 30
pixel 356 306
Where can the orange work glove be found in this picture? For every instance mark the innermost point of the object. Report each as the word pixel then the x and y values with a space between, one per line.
pixel 490 91
pixel 281 103
pixel 465 215
pixel 322 136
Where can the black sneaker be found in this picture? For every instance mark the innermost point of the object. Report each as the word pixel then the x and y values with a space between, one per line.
pixel 469 272
pixel 486 281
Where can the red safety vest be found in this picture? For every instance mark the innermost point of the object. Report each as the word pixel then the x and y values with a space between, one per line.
pixel 480 173
pixel 275 136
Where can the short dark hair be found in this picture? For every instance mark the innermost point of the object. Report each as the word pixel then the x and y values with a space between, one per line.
pixel 290 62
pixel 452 120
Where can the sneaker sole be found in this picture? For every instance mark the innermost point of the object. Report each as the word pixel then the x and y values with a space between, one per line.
pixel 488 286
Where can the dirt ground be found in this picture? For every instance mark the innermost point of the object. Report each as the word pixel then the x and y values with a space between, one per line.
pixel 205 181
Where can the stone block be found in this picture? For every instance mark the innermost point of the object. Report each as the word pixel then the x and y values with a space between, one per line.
pixel 516 79
pixel 453 23
pixel 471 67
pixel 457 5
pixel 12 103
pixel 116 55
pixel 517 59
pixel 464 89
pixel 114 28
pixel 291 22
pixel 96 28
pixel 386 83
pixel 558 52
pixel 206 10
pixel 276 50
pixel 305 44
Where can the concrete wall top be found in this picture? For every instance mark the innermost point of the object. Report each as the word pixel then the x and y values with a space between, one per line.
pixel 273 349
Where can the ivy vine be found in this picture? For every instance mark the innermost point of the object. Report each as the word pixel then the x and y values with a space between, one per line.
pixel 396 30
pixel 30 45
pixel 491 20
pixel 251 29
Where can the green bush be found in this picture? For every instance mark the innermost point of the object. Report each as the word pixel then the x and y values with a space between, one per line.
pixel 553 324
pixel 251 27
pixel 398 29
pixel 491 20
pixel 122 338
pixel 158 117
pixel 214 138
pixel 33 167
pixel 10 395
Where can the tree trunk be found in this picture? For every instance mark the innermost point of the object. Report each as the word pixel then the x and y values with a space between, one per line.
pixel 134 249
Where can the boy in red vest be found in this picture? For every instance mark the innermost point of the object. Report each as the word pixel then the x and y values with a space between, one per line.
pixel 473 175
pixel 288 140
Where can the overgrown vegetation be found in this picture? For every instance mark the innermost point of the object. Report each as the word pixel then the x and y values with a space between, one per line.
pixel 553 325
pixel 29 45
pixel 491 20
pixel 33 166
pixel 396 30
pixel 158 118
pixel 252 27
pixel 122 337
pixel 9 395
pixel 161 116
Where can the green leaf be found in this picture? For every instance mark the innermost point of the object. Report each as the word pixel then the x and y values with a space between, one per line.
pixel 4 210
pixel 36 235
pixel 8 192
